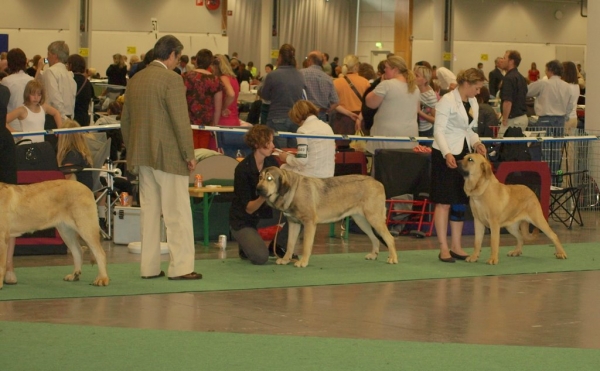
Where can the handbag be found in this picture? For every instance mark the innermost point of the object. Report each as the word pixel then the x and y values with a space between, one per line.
pixel 35 156
pixel 359 145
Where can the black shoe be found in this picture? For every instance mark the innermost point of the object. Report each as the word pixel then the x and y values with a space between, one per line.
pixel 446 260
pixel 242 254
pixel 458 256
pixel 161 274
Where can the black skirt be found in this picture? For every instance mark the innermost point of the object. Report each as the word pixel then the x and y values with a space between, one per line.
pixel 447 184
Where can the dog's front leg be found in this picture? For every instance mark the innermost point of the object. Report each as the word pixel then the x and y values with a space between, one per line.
pixel 3 249
pixel 494 242
pixel 293 232
pixel 479 233
pixel 307 244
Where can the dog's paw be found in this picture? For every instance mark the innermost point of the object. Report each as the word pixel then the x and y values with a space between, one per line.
pixel 101 281
pixel 392 259
pixel 73 277
pixel 472 259
pixel 371 256
pixel 302 263
pixel 514 253
pixel 561 255
pixel 492 261
pixel 281 261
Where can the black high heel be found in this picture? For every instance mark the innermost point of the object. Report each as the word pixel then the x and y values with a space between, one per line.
pixel 458 256
pixel 446 260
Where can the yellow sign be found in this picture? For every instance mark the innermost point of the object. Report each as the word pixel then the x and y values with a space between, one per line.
pixel 131 50
pixel 274 54
pixel 84 52
pixel 484 57
pixel 447 56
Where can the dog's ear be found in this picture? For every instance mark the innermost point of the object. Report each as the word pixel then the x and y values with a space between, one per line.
pixel 486 168
pixel 284 184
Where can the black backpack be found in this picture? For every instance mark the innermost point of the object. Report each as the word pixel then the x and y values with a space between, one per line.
pixel 514 151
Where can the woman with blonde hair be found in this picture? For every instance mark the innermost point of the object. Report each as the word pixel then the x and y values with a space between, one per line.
pixel 117 72
pixel 72 151
pixel 397 99
pixel 231 89
pixel 428 99
pixel 456 116
pixel 350 87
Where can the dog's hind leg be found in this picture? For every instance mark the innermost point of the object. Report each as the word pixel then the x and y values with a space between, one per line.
pixel 71 239
pixel 515 230
pixel 540 222
pixel 293 232
pixel 364 225
pixel 90 233
pixel 307 244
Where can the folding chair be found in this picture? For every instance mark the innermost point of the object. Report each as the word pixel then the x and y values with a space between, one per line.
pixel 564 203
pixel 100 156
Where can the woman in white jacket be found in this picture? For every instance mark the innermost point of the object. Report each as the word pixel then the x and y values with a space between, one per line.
pixel 456 117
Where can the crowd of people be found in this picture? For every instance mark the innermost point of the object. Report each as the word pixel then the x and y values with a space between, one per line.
pixel 167 92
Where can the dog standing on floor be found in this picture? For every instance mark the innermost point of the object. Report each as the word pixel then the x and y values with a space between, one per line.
pixel 496 205
pixel 310 201
pixel 66 205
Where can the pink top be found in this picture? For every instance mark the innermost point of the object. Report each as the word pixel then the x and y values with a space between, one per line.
pixel 234 118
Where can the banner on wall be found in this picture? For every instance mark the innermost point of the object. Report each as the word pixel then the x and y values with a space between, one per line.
pixel 3 42
pixel 131 50
pixel 84 52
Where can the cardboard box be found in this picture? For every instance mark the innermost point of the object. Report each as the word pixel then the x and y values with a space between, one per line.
pixel 127 225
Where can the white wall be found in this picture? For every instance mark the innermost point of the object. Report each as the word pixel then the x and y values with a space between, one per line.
pixel 480 27
pixel 120 24
pixel 115 25
pixel 33 24
pixel 376 24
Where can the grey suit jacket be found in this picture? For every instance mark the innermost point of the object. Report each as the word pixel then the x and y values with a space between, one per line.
pixel 155 121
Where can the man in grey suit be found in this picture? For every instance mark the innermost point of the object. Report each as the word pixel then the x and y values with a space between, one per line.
pixel 158 137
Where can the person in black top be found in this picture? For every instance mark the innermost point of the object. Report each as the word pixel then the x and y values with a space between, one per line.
pixel 117 72
pixel 247 207
pixel 513 94
pixel 85 90
pixel 496 76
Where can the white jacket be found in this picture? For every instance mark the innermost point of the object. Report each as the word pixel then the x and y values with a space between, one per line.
pixel 451 124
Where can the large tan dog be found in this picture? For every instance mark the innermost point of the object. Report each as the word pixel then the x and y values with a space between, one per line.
pixel 311 201
pixel 67 205
pixel 496 205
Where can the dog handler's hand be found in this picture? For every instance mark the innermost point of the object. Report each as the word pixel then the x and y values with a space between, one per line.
pixel 451 161
pixel 191 164
pixel 480 148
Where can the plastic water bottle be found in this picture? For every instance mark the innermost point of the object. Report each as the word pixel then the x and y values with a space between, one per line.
pixel 239 156
pixel 198 182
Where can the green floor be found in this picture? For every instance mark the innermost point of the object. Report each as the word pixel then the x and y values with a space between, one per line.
pixel 38 346
pixel 328 269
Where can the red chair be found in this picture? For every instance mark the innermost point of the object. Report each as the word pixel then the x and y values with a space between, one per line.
pixel 538 167
pixel 46 242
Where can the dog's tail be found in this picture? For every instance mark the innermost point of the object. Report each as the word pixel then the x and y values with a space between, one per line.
pixel 524 227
